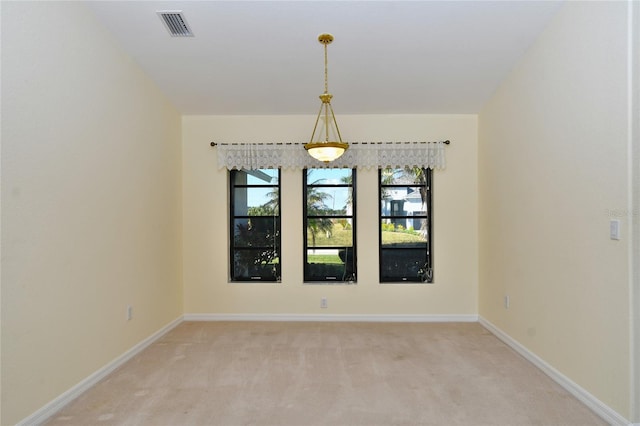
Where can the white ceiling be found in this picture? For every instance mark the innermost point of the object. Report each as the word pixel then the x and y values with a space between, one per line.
pixel 388 57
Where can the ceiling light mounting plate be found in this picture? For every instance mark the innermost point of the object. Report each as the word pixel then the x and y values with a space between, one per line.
pixel 325 38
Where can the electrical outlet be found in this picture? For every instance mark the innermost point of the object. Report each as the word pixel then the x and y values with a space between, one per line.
pixel 323 303
pixel 506 302
pixel 129 313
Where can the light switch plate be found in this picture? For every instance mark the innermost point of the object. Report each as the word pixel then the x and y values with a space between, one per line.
pixel 614 229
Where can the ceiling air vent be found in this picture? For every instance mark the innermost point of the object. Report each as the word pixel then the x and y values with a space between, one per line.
pixel 175 23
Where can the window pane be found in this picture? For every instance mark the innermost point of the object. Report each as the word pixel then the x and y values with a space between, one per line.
pixel 406 176
pixel 256 265
pixel 328 176
pixel 255 201
pixel 330 264
pixel 404 265
pixel 256 177
pixel 401 201
pixel 404 232
pixel 256 232
pixel 329 232
pixel 328 201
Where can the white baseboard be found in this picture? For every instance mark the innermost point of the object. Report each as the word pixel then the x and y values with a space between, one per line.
pixel 58 403
pixel 601 409
pixel 331 317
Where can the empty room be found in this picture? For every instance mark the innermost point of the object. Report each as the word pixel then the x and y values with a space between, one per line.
pixel 320 213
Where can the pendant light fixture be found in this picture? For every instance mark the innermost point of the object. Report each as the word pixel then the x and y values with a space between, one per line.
pixel 331 146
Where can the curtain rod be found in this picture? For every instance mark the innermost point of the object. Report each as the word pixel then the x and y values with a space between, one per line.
pixel 447 142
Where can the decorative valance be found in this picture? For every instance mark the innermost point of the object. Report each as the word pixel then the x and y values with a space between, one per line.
pixel 361 155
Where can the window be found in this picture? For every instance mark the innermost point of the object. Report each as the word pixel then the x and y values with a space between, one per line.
pixel 405 225
pixel 329 219
pixel 255 225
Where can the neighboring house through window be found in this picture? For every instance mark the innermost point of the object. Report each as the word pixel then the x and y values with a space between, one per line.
pixel 405 225
pixel 329 220
pixel 255 225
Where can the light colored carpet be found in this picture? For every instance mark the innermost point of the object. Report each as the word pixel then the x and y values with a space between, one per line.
pixel 275 373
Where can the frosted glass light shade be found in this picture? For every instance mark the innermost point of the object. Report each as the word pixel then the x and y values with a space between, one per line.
pixel 326 151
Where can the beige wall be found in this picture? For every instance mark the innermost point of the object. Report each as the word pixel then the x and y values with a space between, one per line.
pixel 206 289
pixel 553 165
pixel 90 203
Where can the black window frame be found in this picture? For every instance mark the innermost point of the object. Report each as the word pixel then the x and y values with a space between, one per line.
pixel 235 248
pixel 349 255
pixel 414 271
